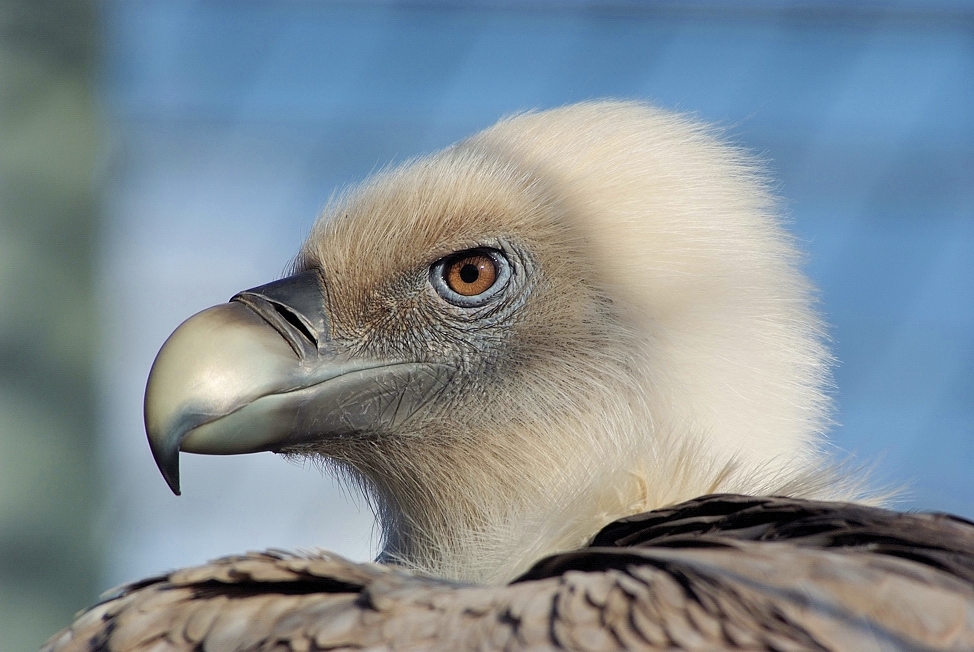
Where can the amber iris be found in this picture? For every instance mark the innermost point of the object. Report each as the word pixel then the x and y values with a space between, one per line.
pixel 471 275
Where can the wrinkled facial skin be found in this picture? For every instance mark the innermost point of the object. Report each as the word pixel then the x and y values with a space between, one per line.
pixel 405 318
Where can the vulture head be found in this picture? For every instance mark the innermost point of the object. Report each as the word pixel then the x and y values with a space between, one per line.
pixel 572 316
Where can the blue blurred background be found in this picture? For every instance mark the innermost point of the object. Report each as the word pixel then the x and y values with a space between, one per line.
pixel 212 133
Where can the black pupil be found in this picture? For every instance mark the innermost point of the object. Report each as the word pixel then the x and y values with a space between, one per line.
pixel 469 273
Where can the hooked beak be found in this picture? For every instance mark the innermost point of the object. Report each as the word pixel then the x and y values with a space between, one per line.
pixel 261 373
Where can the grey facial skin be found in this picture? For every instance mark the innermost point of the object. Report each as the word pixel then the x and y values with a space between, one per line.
pixel 260 373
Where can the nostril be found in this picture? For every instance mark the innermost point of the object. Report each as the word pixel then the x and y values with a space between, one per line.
pixel 291 318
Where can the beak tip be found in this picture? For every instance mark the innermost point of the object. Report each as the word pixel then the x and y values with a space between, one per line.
pixel 167 460
pixel 173 481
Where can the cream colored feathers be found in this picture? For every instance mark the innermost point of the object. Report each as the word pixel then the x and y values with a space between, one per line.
pixel 665 345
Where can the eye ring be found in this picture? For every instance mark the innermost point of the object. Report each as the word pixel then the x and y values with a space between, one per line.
pixel 470 278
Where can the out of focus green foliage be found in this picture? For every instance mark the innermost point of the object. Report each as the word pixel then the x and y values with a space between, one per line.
pixel 48 317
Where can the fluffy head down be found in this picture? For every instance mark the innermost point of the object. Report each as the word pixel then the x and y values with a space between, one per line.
pixel 656 341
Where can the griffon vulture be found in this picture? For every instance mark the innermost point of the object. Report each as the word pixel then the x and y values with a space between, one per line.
pixel 539 351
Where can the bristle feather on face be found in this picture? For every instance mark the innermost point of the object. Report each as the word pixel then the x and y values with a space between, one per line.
pixel 656 340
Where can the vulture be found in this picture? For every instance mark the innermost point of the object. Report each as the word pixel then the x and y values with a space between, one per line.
pixel 573 362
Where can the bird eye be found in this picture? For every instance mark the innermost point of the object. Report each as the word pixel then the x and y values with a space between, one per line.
pixel 470 278
pixel 471 275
